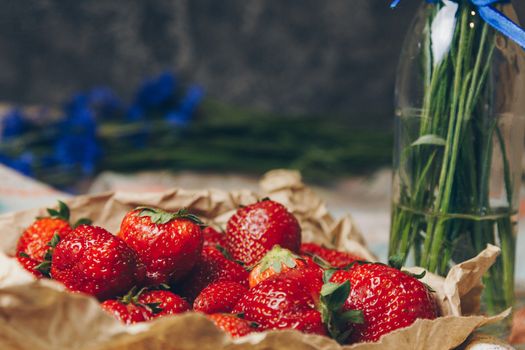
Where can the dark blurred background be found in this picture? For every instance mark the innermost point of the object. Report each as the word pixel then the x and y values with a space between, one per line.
pixel 301 65
pixel 292 57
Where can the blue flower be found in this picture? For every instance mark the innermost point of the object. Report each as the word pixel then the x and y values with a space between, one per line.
pixel 186 109
pixel 72 151
pixel 101 100
pixel 135 113
pixel 13 124
pixel 191 101
pixel 77 144
pixel 178 118
pixel 104 101
pixel 77 101
pixel 156 91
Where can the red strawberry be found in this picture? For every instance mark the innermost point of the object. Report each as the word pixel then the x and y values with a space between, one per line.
pixel 213 238
pixel 168 244
pixel 219 297
pixel 93 261
pixel 235 326
pixel 286 300
pixel 163 302
pixel 127 313
pixel 389 299
pixel 253 230
pixel 146 304
pixel 277 260
pixel 213 266
pixel 331 256
pixel 36 244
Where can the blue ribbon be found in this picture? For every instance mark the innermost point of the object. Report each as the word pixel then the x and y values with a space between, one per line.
pixel 494 18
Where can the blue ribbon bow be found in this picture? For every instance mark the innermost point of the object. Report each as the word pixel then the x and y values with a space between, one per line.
pixel 494 18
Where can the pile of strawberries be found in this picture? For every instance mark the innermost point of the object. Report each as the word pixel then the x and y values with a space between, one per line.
pixel 256 276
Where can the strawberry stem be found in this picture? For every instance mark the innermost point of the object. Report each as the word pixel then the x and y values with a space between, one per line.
pixel 154 307
pixel 62 212
pixel 277 258
pixel 396 261
pixel 82 221
pixel 333 297
pixel 159 216
pixel 45 266
pixel 132 297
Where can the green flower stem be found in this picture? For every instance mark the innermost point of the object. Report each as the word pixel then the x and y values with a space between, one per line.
pixel 434 239
pixel 443 204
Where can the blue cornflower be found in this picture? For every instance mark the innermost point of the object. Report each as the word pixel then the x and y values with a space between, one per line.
pixel 193 98
pixel 186 109
pixel 82 151
pixel 178 118
pixel 135 113
pixel 80 121
pixel 77 144
pixel 77 101
pixel 104 101
pixel 156 91
pixel 13 124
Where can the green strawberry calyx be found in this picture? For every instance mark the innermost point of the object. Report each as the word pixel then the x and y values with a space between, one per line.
pixel 325 265
pixel 337 320
pixel 159 216
pixel 396 261
pixel 63 213
pixel 45 266
pixel 229 256
pixel 277 258
pixel 132 297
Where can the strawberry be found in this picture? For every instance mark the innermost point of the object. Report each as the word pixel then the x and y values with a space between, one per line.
pixel 276 261
pixel 168 244
pixel 232 324
pixel 333 257
pixel 163 302
pixel 213 238
pixel 36 244
pixel 253 230
pixel 388 298
pixel 145 305
pixel 219 297
pixel 93 261
pixel 302 299
pixel 286 300
pixel 125 312
pixel 213 266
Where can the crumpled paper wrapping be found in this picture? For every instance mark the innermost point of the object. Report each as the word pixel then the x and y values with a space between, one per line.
pixel 41 314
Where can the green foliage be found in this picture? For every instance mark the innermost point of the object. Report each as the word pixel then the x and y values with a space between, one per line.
pixel 159 216
pixel 228 139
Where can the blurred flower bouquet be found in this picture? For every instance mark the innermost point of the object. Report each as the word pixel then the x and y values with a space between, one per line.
pixel 459 141
pixel 94 128
pixel 171 128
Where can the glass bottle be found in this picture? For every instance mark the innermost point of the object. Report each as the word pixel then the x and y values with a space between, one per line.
pixel 458 144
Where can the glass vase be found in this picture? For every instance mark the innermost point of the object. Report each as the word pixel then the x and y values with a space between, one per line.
pixel 460 109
